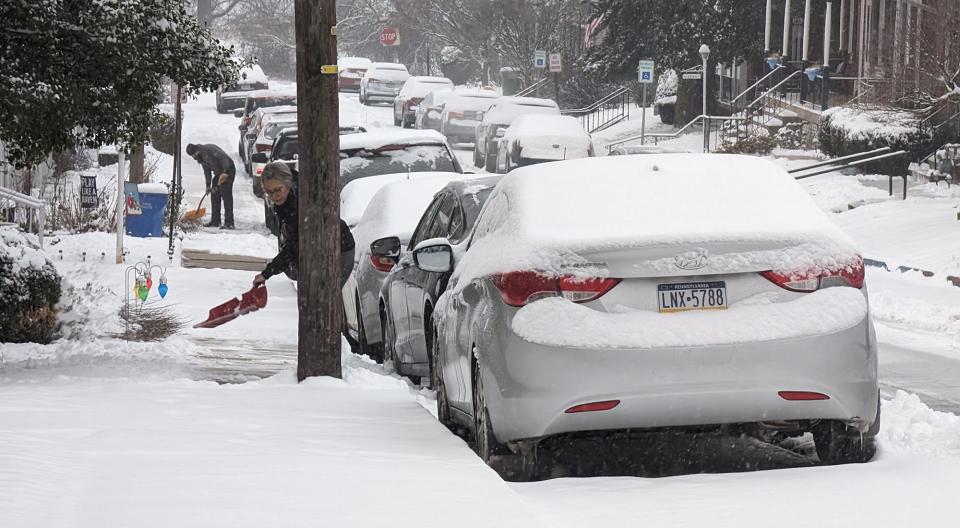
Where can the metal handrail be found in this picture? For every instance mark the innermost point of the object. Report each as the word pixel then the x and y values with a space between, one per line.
pixel 531 88
pixel 30 202
pixel 778 85
pixel 834 161
pixel 595 106
pixel 676 134
pixel 754 85
pixel 947 122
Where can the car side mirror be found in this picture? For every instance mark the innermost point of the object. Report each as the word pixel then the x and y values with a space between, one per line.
pixel 251 136
pixel 259 157
pixel 238 113
pixel 242 128
pixel 386 247
pixel 434 255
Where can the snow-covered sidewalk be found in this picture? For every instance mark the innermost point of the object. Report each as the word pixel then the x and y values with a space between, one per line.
pixel 99 452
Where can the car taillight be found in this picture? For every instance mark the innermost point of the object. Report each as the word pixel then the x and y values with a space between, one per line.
pixel 851 275
pixel 384 264
pixel 519 288
pixel 455 115
pixel 263 147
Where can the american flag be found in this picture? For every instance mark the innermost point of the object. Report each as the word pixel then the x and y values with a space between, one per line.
pixel 590 29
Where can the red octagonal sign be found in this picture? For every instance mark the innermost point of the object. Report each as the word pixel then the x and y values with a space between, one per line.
pixel 389 36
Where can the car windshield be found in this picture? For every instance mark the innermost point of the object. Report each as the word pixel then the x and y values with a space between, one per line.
pixel 274 128
pixel 266 102
pixel 391 159
pixel 289 149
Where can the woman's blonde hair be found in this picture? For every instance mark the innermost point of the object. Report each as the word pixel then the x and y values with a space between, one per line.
pixel 278 171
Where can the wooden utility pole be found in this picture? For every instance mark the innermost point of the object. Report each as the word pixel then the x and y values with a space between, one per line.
pixel 318 285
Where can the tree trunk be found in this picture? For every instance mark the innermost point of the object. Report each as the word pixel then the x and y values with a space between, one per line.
pixel 318 288
pixel 205 11
pixel 137 159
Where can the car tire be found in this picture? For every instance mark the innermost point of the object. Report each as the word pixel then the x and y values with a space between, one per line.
pixel 375 352
pixel 513 466
pixel 386 340
pixel 258 192
pixel 240 150
pixel 436 375
pixel 491 161
pixel 476 157
pixel 838 444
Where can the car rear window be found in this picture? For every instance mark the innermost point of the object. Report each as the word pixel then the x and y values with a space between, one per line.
pixel 392 159
pixel 389 75
pixel 266 102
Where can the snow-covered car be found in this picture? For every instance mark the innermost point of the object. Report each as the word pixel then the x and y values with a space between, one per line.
pixel 461 115
pixel 680 290
pixel 350 70
pixel 538 138
pixel 389 151
pixel 231 97
pixel 253 101
pixel 407 101
pixel 409 292
pixel 430 110
pixel 391 216
pixel 382 82
pixel 500 115
pixel 264 126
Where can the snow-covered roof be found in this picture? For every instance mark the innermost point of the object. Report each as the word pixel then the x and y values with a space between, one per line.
pixel 390 136
pixel 355 196
pixel 748 211
pixel 470 96
pixel 354 62
pixel 397 207
pixel 549 137
pixel 286 92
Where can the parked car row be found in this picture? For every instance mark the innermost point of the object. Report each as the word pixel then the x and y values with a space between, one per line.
pixel 534 318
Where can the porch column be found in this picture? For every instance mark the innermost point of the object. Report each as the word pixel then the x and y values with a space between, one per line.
pixel 880 27
pixel 806 31
pixel 786 31
pixel 851 26
pixel 769 26
pixel 843 25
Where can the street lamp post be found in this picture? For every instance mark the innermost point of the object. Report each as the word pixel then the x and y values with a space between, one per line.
pixel 705 54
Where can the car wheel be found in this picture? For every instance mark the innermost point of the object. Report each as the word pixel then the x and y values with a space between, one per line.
pixel 436 375
pixel 491 161
pixel 240 149
pixel 374 351
pixel 515 466
pixel 258 191
pixel 476 157
pixel 838 444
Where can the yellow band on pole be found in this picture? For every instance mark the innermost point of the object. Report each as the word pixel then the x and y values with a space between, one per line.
pixel 329 69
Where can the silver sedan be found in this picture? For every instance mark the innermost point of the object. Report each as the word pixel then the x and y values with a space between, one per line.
pixel 666 291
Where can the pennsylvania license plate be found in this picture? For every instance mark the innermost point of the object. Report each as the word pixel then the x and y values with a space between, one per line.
pixel 692 296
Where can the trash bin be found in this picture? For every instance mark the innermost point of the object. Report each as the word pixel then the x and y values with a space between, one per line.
pixel 153 203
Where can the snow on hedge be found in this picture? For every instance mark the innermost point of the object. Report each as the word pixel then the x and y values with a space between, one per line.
pixel 667 87
pixel 872 123
pixel 22 250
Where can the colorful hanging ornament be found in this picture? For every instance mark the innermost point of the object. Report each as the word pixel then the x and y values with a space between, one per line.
pixel 143 294
pixel 149 283
pixel 163 286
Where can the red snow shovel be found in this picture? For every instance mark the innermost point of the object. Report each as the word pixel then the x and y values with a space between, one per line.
pixel 250 301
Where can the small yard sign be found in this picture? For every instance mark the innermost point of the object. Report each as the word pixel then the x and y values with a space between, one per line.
pixel 88 192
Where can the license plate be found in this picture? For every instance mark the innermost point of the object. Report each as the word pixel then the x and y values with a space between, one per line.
pixel 685 296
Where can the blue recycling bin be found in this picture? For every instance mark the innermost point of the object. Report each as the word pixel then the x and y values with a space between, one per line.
pixel 153 203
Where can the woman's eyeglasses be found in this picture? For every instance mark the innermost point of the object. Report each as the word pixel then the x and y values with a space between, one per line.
pixel 271 192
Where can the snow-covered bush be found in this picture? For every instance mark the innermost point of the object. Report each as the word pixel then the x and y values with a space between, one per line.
pixel 666 100
pixel 850 130
pixel 163 130
pixel 29 289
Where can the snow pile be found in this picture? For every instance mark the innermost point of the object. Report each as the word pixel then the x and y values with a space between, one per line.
pixel 838 193
pixel 759 217
pixel 559 322
pixel 246 244
pixel 98 355
pixel 917 314
pixel 549 137
pixel 909 426
pixel 21 250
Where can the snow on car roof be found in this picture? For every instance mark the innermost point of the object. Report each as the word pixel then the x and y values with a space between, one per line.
pixel 354 62
pixel 506 110
pixel 355 195
pixel 390 136
pixel 749 208
pixel 421 86
pixel 289 92
pixel 397 207
pixel 252 73
pixel 549 137
pixel 388 66
pixel 282 109
pixel 528 101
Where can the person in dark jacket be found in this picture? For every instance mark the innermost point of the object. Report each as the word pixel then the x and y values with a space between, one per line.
pixel 278 184
pixel 219 172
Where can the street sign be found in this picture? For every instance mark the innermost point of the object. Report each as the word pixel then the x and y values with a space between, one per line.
pixel 692 76
pixel 540 59
pixel 645 71
pixel 389 36
pixel 88 192
pixel 556 63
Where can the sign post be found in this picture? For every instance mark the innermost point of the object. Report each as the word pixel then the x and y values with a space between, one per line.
pixel 556 66
pixel 644 77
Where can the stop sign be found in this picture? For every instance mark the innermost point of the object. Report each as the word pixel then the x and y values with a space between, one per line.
pixel 389 36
